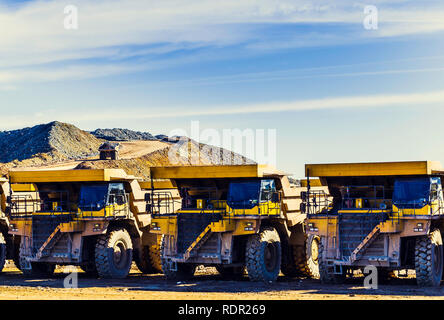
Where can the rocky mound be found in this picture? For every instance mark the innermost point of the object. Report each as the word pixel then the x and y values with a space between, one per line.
pixel 118 134
pixel 47 145
pixel 55 140
pixel 174 155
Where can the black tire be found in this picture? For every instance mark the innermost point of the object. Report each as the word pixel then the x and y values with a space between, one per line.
pixel 312 257
pixel 185 271
pixel 16 253
pixel 288 263
pixel 324 275
pixel 230 272
pixel 102 156
pixel 143 262
pixel 2 251
pixel 263 255
pixel 114 254
pixel 429 259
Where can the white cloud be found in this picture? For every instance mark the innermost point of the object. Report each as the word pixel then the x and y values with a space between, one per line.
pixel 330 103
pixel 33 34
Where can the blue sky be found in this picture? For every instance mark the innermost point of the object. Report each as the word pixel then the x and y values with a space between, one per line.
pixel 334 91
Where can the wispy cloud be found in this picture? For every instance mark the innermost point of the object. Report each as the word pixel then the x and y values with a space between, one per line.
pixel 32 35
pixel 328 103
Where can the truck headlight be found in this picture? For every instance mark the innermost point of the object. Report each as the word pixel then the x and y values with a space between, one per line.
pixel 419 227
pixel 311 227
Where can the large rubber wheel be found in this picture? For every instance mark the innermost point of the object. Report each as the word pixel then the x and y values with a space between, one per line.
pixel 16 253
pixel 312 257
pixel 2 251
pixel 184 271
pixel 154 255
pixel 288 264
pixel 114 254
pixel 429 259
pixel 142 260
pixel 325 276
pixel 230 272
pixel 263 255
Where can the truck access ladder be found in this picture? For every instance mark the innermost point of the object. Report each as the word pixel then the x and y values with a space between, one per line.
pixel 50 242
pixel 365 243
pixel 198 242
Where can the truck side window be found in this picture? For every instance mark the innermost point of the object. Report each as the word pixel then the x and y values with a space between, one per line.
pixel 434 194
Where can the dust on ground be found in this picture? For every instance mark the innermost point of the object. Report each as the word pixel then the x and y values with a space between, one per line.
pixel 206 285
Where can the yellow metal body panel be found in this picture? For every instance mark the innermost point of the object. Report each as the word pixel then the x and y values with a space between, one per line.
pixel 369 211
pixel 222 171
pixel 168 225
pixel 76 175
pixel 73 226
pixel 263 209
pixel 164 225
pixel 24 187
pixel 313 183
pixel 374 169
pixel 323 226
pixel 158 184
pixel 391 226
pixel 425 211
pixel 200 203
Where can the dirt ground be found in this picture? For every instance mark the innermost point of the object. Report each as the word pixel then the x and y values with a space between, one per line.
pixel 207 285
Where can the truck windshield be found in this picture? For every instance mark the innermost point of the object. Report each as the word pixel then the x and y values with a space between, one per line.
pixel 244 195
pixel 93 197
pixel 247 195
pixel 412 193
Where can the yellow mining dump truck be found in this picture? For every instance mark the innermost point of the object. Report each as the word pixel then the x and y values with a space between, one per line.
pixel 388 215
pixel 234 218
pixel 95 219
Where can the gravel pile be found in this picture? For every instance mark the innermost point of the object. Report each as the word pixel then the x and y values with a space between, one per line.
pixel 60 140
pixel 118 134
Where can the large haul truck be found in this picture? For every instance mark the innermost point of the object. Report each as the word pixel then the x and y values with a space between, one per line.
pixel 95 219
pixel 387 215
pixel 232 217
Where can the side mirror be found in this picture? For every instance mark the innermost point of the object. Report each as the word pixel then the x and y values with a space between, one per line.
pixel 304 196
pixel 303 207
pixel 148 197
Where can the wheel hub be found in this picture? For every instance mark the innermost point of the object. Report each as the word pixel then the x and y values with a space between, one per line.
pixel 270 256
pixel 314 250
pixel 119 254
